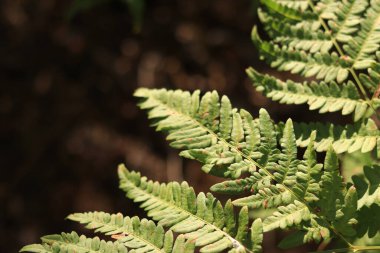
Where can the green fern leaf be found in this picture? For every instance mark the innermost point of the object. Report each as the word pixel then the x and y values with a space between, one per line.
pixel 306 195
pixel 141 235
pixel 325 97
pixel 347 16
pixel 362 136
pixel 233 154
pixel 73 243
pixel 207 132
pixel 257 235
pixel 363 46
pixel 285 173
pixel 308 45
pixel 294 37
pixel 183 245
pixel 267 197
pixel 199 218
pixel 287 216
pixel 321 65
pixel 331 184
pixel 308 174
pixel 346 216
pixel 238 186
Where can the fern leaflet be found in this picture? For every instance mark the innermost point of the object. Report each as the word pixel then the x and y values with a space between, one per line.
pixel 73 243
pixel 200 218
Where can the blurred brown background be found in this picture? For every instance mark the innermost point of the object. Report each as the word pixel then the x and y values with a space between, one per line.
pixel 67 112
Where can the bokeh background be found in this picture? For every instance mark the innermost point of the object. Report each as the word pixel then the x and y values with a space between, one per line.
pixel 68 116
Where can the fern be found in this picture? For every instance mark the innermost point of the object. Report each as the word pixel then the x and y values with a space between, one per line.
pixel 324 66
pixel 362 136
pixel 130 233
pixel 73 243
pixel 201 218
pixel 327 97
pixel 336 45
pixel 294 48
pixel 142 235
pixel 278 178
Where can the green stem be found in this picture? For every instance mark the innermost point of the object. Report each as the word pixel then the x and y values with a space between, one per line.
pixel 362 248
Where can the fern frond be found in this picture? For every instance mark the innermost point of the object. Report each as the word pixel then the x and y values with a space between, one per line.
pixel 363 46
pixel 210 131
pixel 327 97
pixel 72 242
pixel 361 136
pixel 304 184
pixel 324 66
pixel 347 17
pixel 200 218
pixel 287 216
pixel 294 37
pixel 142 235
pixel 302 44
pixel 224 157
pixel 331 187
pixel 279 178
pixel 267 197
pixel 284 173
pixel 235 143
pixel 308 174
pixel 346 216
